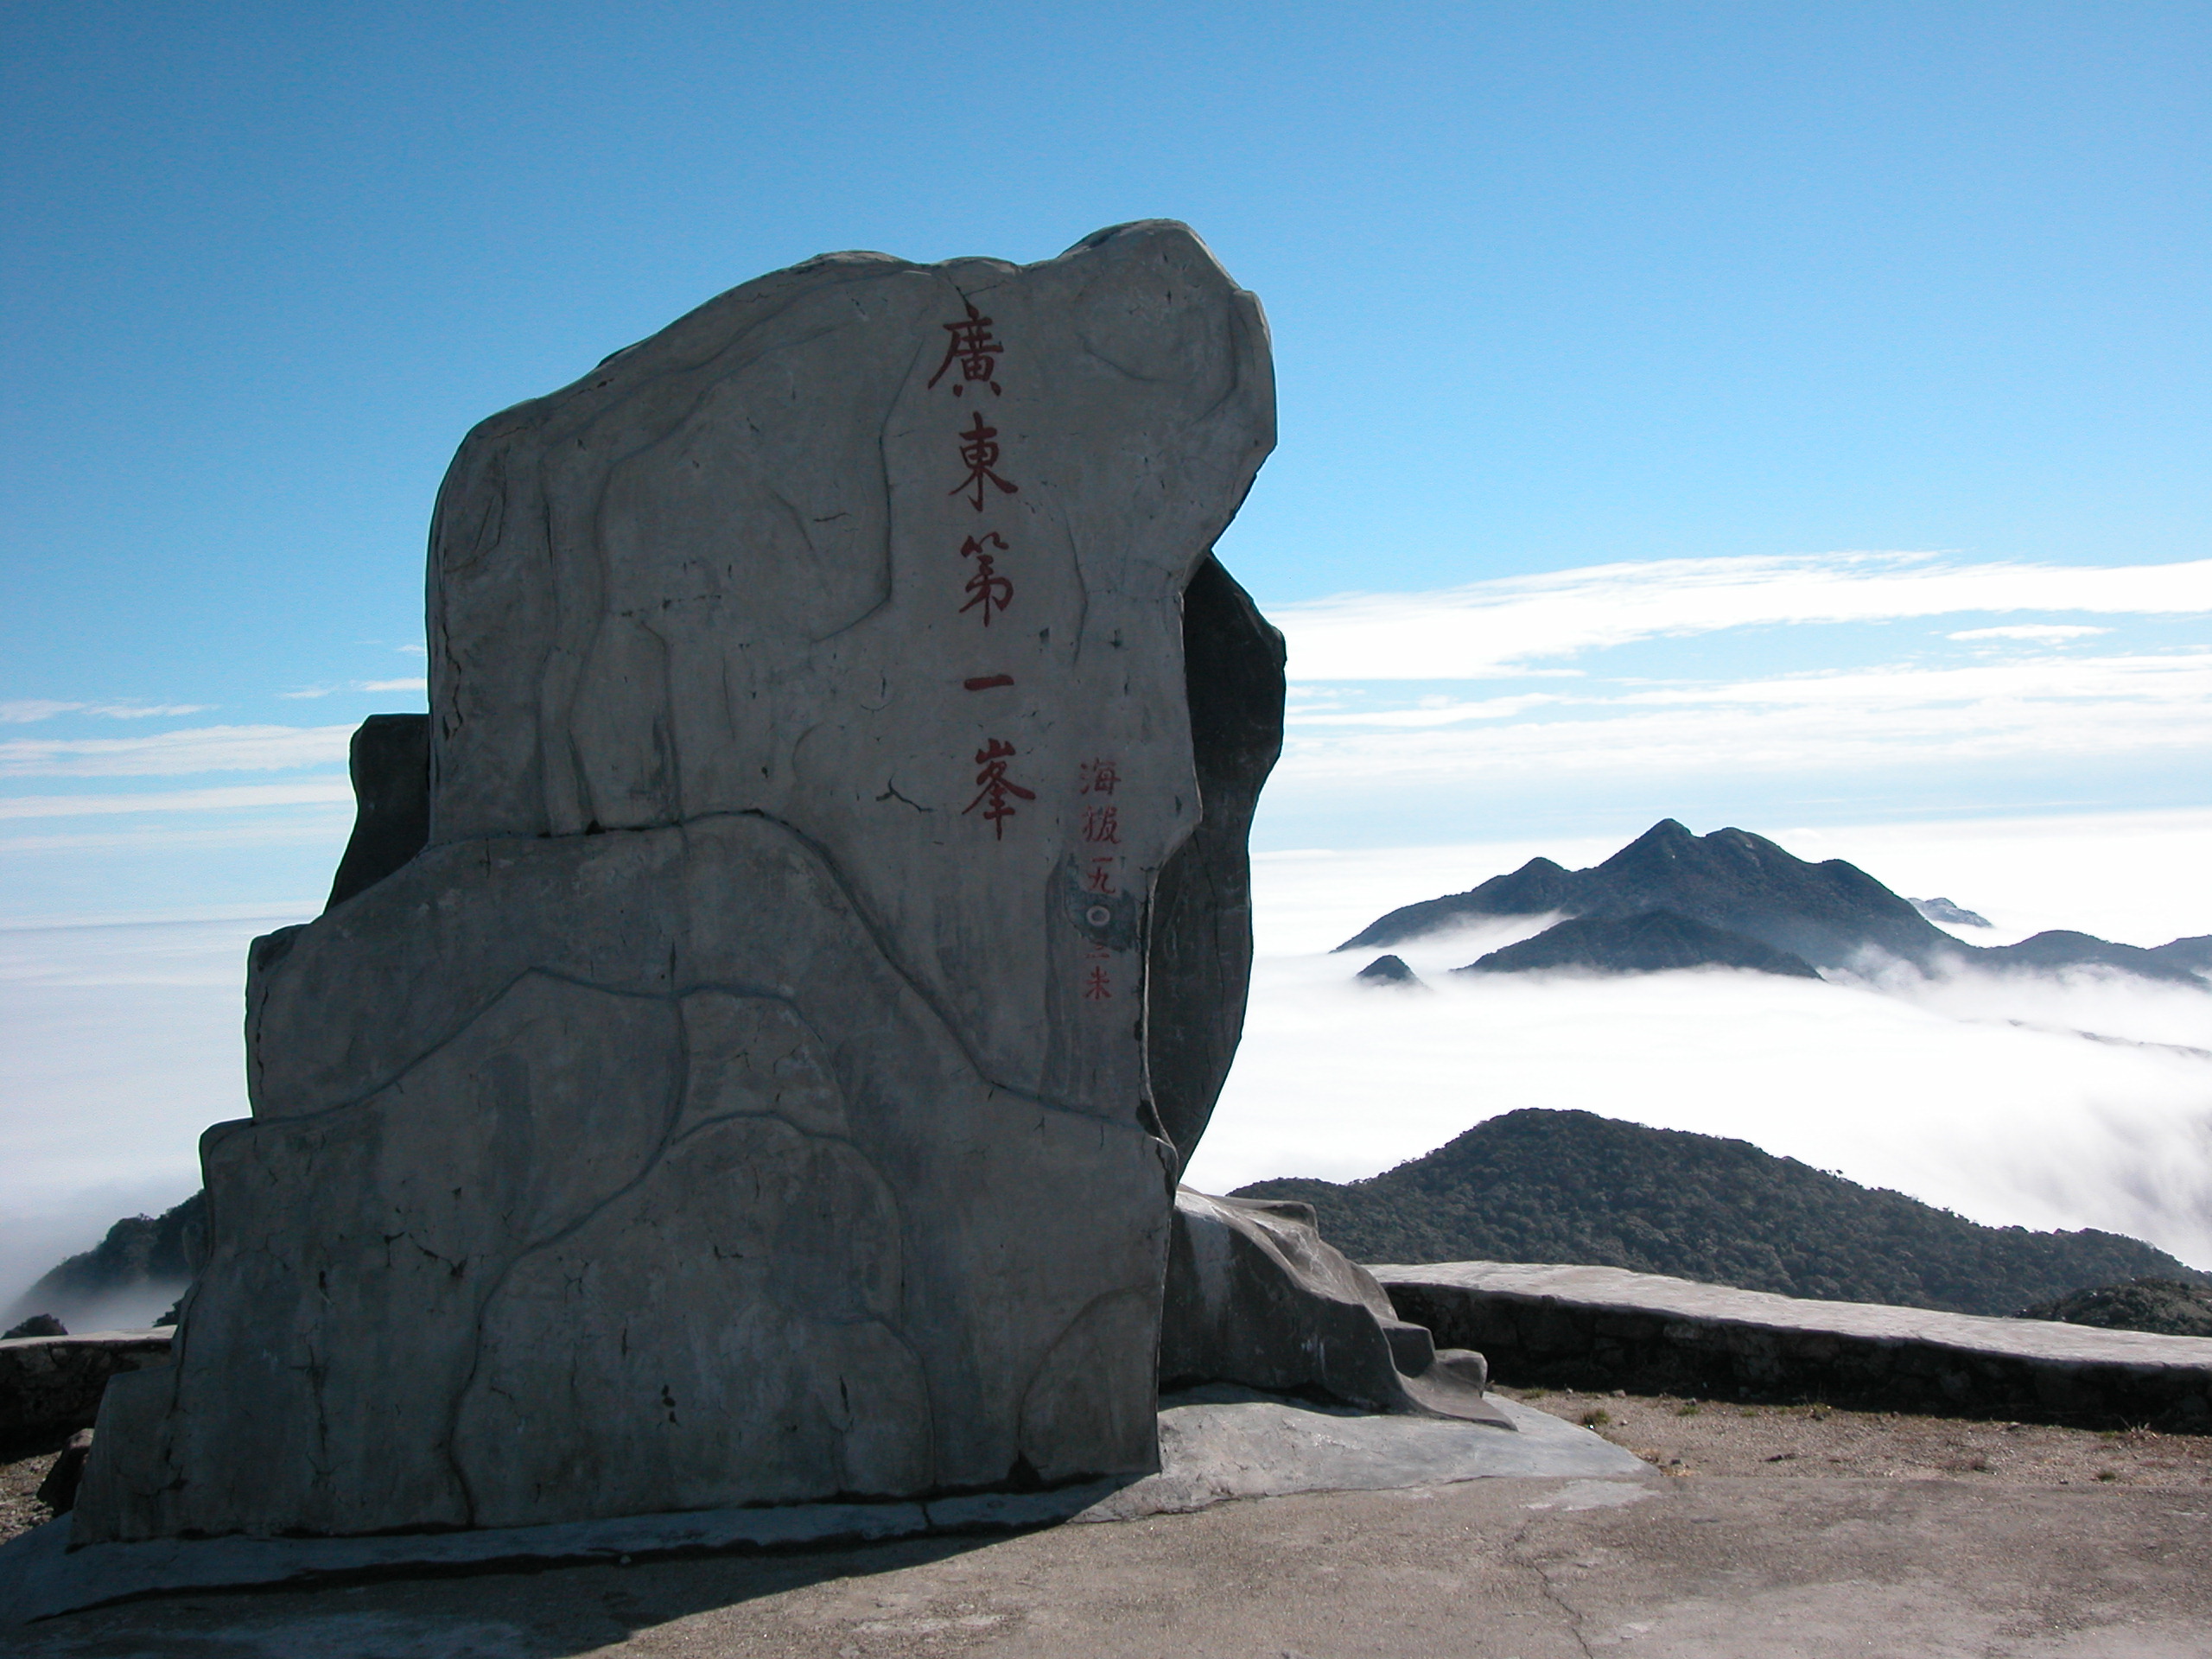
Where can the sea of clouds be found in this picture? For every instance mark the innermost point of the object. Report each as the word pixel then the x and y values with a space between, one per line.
pixel 2074 1100
pixel 1988 731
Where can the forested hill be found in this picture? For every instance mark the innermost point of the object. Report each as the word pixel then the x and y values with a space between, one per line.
pixel 1537 1186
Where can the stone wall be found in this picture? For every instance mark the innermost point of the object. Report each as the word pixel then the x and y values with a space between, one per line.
pixel 51 1385
pixel 1606 1328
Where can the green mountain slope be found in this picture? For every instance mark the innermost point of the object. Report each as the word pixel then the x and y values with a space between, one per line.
pixel 1537 1186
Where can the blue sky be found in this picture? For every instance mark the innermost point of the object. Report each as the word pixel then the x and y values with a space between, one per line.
pixel 1791 416
pixel 1556 288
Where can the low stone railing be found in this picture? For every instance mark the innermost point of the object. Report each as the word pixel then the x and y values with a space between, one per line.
pixel 1605 1327
pixel 50 1385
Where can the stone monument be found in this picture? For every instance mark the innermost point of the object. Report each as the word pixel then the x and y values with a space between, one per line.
pixel 754 1065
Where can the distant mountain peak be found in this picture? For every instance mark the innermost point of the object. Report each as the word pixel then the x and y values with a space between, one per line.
pixel 1824 915
pixel 1730 879
pixel 1391 972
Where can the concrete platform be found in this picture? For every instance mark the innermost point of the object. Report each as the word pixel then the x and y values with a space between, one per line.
pixel 1605 1327
pixel 1753 1568
pixel 1217 1444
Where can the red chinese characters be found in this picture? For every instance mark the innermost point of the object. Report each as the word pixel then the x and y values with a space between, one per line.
pixel 1102 825
pixel 996 793
pixel 992 591
pixel 979 452
pixel 972 347
pixel 1098 986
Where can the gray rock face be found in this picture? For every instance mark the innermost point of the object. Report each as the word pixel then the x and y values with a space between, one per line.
pixel 1201 953
pixel 1255 1297
pixel 390 760
pixel 742 1098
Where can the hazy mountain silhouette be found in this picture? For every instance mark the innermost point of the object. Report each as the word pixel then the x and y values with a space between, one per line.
pixel 159 1253
pixel 1824 915
pixel 1650 942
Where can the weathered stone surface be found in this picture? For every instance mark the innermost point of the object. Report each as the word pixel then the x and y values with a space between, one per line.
pixel 1201 956
pixel 389 761
pixel 742 1096
pixel 58 1491
pixel 1255 1297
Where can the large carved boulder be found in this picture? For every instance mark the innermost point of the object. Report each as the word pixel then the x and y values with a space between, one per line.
pixel 744 1095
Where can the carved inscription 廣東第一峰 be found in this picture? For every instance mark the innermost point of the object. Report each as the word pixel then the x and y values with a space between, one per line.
pixel 974 351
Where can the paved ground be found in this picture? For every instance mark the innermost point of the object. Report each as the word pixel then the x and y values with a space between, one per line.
pixel 1862 1543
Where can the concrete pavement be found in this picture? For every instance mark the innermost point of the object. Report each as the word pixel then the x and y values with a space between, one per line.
pixel 1714 1567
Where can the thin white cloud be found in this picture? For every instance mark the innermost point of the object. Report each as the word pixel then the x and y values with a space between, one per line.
pixel 24 711
pixel 2046 708
pixel 207 749
pixel 1492 629
pixel 240 797
pixel 2033 631
pixel 416 684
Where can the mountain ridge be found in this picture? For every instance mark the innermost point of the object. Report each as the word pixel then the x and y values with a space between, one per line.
pixel 1826 915
pixel 1538 1185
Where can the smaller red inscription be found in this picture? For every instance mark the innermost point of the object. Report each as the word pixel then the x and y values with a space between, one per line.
pixel 1097 986
pixel 1102 825
pixel 1101 877
pixel 1098 778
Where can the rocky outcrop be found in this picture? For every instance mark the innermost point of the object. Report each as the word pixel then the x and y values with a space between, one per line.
pixel 390 760
pixel 742 1094
pixel 1255 1297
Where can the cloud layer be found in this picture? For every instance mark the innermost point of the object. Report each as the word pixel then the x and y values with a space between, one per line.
pixel 1503 628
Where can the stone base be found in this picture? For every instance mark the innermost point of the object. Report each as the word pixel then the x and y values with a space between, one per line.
pixel 1217 1444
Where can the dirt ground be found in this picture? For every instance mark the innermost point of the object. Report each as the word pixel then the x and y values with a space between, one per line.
pixel 20 1509
pixel 1694 1437
pixel 1690 1437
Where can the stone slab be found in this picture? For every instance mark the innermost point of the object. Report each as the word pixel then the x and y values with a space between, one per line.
pixel 1218 1446
pixel 1609 1327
